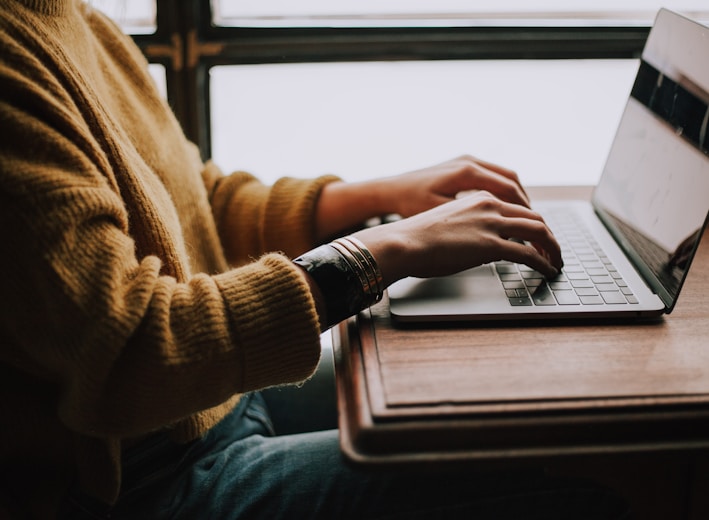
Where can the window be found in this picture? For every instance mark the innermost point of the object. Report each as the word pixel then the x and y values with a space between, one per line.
pixel 427 13
pixel 134 16
pixel 371 87
pixel 364 120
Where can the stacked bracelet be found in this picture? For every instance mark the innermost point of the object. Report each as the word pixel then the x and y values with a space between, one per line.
pixel 362 261
pixel 348 277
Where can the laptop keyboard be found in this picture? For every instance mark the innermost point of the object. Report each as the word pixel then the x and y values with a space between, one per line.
pixel 587 278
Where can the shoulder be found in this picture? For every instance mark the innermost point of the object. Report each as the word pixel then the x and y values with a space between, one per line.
pixel 112 36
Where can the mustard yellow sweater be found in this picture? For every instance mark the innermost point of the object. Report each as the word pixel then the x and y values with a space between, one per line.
pixel 136 294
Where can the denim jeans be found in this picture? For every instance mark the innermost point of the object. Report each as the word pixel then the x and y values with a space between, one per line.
pixel 242 470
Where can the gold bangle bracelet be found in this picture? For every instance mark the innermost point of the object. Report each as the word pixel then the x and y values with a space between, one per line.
pixel 372 262
pixel 371 287
pixel 355 265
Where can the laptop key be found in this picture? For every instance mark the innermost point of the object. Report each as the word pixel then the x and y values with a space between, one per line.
pixel 613 297
pixel 566 298
pixel 581 283
pixel 602 280
pixel 531 275
pixel 591 300
pixel 513 284
pixel 510 277
pixel 519 302
pixel 560 286
pixel 573 268
pixel 592 265
pixel 542 295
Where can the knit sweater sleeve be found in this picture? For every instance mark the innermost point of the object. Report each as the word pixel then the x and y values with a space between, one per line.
pixel 130 342
pixel 253 218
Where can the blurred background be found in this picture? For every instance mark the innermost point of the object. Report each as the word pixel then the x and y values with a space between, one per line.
pixel 366 88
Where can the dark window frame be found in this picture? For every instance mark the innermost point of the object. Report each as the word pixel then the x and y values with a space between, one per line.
pixel 188 44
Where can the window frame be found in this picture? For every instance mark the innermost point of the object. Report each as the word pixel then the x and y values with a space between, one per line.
pixel 187 43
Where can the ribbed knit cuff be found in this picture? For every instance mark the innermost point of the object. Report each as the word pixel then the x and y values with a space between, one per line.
pixel 290 225
pixel 273 321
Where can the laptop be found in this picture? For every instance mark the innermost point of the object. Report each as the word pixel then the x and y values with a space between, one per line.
pixel 627 251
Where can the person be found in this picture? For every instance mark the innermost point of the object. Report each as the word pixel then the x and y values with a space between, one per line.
pixel 148 297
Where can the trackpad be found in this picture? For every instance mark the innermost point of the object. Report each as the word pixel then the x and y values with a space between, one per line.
pixel 466 283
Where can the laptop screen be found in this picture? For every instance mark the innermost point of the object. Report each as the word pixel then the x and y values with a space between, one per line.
pixel 654 191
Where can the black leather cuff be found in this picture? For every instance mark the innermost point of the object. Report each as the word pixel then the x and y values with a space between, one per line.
pixel 338 282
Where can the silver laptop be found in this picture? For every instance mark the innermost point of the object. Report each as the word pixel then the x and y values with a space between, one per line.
pixel 627 252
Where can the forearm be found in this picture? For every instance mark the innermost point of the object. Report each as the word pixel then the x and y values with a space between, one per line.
pixel 345 206
pixel 253 218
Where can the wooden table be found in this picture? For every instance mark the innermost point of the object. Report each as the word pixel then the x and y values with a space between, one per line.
pixel 591 397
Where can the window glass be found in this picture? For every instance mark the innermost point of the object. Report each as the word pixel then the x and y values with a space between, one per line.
pixel 552 121
pixel 447 12
pixel 157 71
pixel 134 16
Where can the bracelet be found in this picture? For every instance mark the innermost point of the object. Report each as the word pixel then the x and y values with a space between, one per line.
pixel 378 278
pixel 355 249
pixel 347 275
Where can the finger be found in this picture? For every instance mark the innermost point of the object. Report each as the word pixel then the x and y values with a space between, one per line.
pixel 519 222
pixel 501 170
pixel 517 211
pixel 503 187
pixel 531 228
pixel 521 253
pixel 510 174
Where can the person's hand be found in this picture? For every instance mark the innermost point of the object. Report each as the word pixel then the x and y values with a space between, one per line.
pixel 344 205
pixel 420 190
pixel 461 234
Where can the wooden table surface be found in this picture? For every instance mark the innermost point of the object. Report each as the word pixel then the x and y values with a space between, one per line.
pixel 477 368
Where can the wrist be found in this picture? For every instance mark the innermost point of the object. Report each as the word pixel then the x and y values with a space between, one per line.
pixel 345 206
pixel 391 248
pixel 344 278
